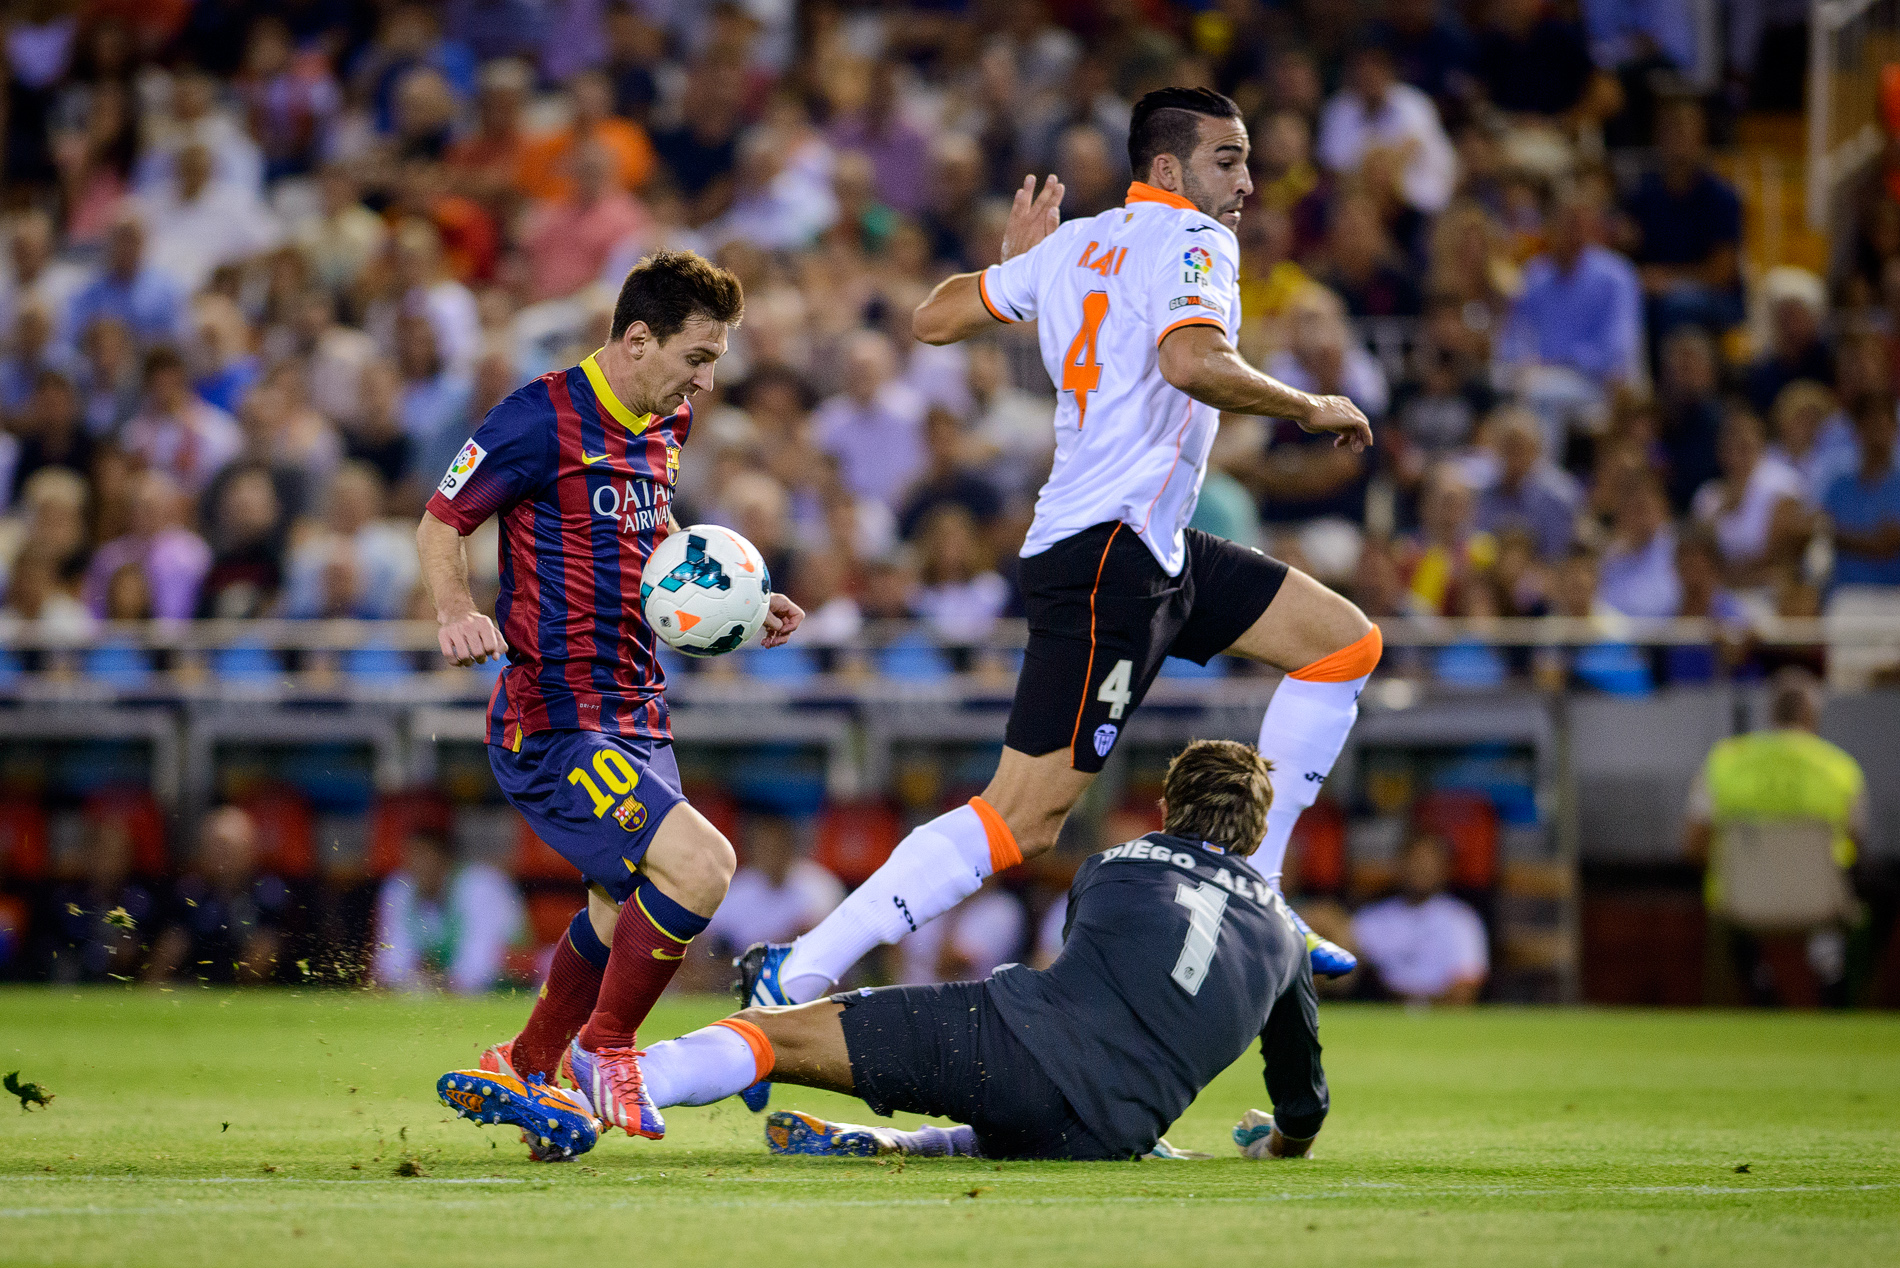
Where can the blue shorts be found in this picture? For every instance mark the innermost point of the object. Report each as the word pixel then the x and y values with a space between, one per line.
pixel 597 799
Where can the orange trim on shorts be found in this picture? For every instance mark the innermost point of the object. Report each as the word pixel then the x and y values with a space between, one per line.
pixel 763 1058
pixel 1089 673
pixel 1004 852
pixel 983 293
pixel 1346 664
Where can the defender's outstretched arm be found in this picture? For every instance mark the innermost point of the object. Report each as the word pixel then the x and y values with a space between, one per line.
pixel 955 310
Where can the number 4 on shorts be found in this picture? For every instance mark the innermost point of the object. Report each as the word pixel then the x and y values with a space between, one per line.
pixel 1114 690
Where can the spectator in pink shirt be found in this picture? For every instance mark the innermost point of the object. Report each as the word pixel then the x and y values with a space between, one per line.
pixel 568 241
pixel 173 558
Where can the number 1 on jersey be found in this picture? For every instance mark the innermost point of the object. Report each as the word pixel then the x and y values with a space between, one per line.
pixel 1206 904
pixel 1081 372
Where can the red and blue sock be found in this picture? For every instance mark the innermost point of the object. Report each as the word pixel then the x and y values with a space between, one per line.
pixel 650 940
pixel 566 1001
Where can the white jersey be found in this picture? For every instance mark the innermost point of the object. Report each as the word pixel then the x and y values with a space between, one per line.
pixel 1105 291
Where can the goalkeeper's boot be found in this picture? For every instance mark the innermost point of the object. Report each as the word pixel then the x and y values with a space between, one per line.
pixel 555 1124
pixel 611 1081
pixel 758 986
pixel 1329 958
pixel 789 1132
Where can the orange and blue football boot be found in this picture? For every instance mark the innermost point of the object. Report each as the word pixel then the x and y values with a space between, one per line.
pixel 611 1081
pixel 499 1058
pixel 790 1132
pixel 555 1123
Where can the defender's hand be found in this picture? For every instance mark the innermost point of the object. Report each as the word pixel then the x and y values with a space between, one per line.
pixel 471 639
pixel 781 618
pixel 1033 216
pixel 1341 417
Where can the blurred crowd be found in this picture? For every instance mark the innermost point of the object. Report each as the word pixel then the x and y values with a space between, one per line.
pixel 266 265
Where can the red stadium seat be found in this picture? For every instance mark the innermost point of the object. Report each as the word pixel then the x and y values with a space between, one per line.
pixel 23 853
pixel 392 818
pixel 855 837
pixel 550 910
pixel 1468 824
pixel 286 830
pixel 135 812
pixel 1316 854
pixel 535 859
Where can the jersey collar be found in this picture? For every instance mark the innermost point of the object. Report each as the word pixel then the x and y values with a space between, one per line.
pixel 1142 192
pixel 635 423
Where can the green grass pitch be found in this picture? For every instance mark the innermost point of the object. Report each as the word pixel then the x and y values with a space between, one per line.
pixel 268 1129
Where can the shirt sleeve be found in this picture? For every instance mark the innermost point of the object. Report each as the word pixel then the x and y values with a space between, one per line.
pixel 1009 289
pixel 1290 1043
pixel 510 456
pixel 1197 282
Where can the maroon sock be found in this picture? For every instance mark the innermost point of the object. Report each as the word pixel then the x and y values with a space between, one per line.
pixel 567 999
pixel 650 940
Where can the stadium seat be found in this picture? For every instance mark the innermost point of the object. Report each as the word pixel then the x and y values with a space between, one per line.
pixel 1317 850
pixel 23 852
pixel 378 666
pixel 1175 667
pixel 536 860
pixel 136 813
pixel 1468 823
pixel 855 837
pixel 286 837
pixel 393 817
pixel 118 665
pixel 781 664
pixel 912 658
pixel 247 663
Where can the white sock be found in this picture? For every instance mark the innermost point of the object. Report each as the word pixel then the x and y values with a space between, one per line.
pixel 1305 727
pixel 937 866
pixel 697 1069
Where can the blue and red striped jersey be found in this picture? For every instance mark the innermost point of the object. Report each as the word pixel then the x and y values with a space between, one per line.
pixel 583 485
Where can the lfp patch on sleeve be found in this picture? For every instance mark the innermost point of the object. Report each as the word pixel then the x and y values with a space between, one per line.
pixel 461 469
pixel 1196 263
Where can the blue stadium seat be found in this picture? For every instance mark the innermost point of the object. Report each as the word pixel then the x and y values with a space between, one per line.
pixel 1473 665
pixel 780 664
pixel 380 665
pixel 1176 667
pixel 912 658
pixel 246 663
pixel 119 665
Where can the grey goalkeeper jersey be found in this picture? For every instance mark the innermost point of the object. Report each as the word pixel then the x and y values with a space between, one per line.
pixel 1175 957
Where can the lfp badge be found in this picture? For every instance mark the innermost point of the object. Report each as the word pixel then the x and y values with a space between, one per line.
pixel 1196 264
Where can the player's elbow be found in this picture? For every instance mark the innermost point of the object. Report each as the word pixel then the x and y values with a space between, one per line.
pixel 931 324
pixel 1183 363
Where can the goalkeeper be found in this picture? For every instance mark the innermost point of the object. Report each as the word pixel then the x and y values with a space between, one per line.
pixel 1177 954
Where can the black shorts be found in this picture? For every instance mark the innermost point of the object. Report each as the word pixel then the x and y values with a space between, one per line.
pixel 946 1051
pixel 1103 615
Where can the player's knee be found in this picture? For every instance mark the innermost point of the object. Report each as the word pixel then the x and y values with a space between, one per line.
pixel 691 860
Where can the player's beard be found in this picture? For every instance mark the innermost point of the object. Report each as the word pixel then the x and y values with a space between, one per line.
pixel 1203 198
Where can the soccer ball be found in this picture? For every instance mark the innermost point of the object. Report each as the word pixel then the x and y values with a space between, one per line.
pixel 704 590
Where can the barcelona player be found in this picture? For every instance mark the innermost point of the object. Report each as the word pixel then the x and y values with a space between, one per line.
pixel 580 464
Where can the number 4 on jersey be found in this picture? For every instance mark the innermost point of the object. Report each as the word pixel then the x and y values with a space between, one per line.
pixel 1081 372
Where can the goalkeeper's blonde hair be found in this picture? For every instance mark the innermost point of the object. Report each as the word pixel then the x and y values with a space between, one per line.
pixel 1218 791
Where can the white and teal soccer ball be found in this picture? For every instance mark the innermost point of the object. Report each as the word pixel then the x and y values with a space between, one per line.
pixel 704 590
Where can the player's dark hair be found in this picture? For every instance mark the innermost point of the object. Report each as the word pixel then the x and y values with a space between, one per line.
pixel 1168 121
pixel 1218 791
pixel 669 288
